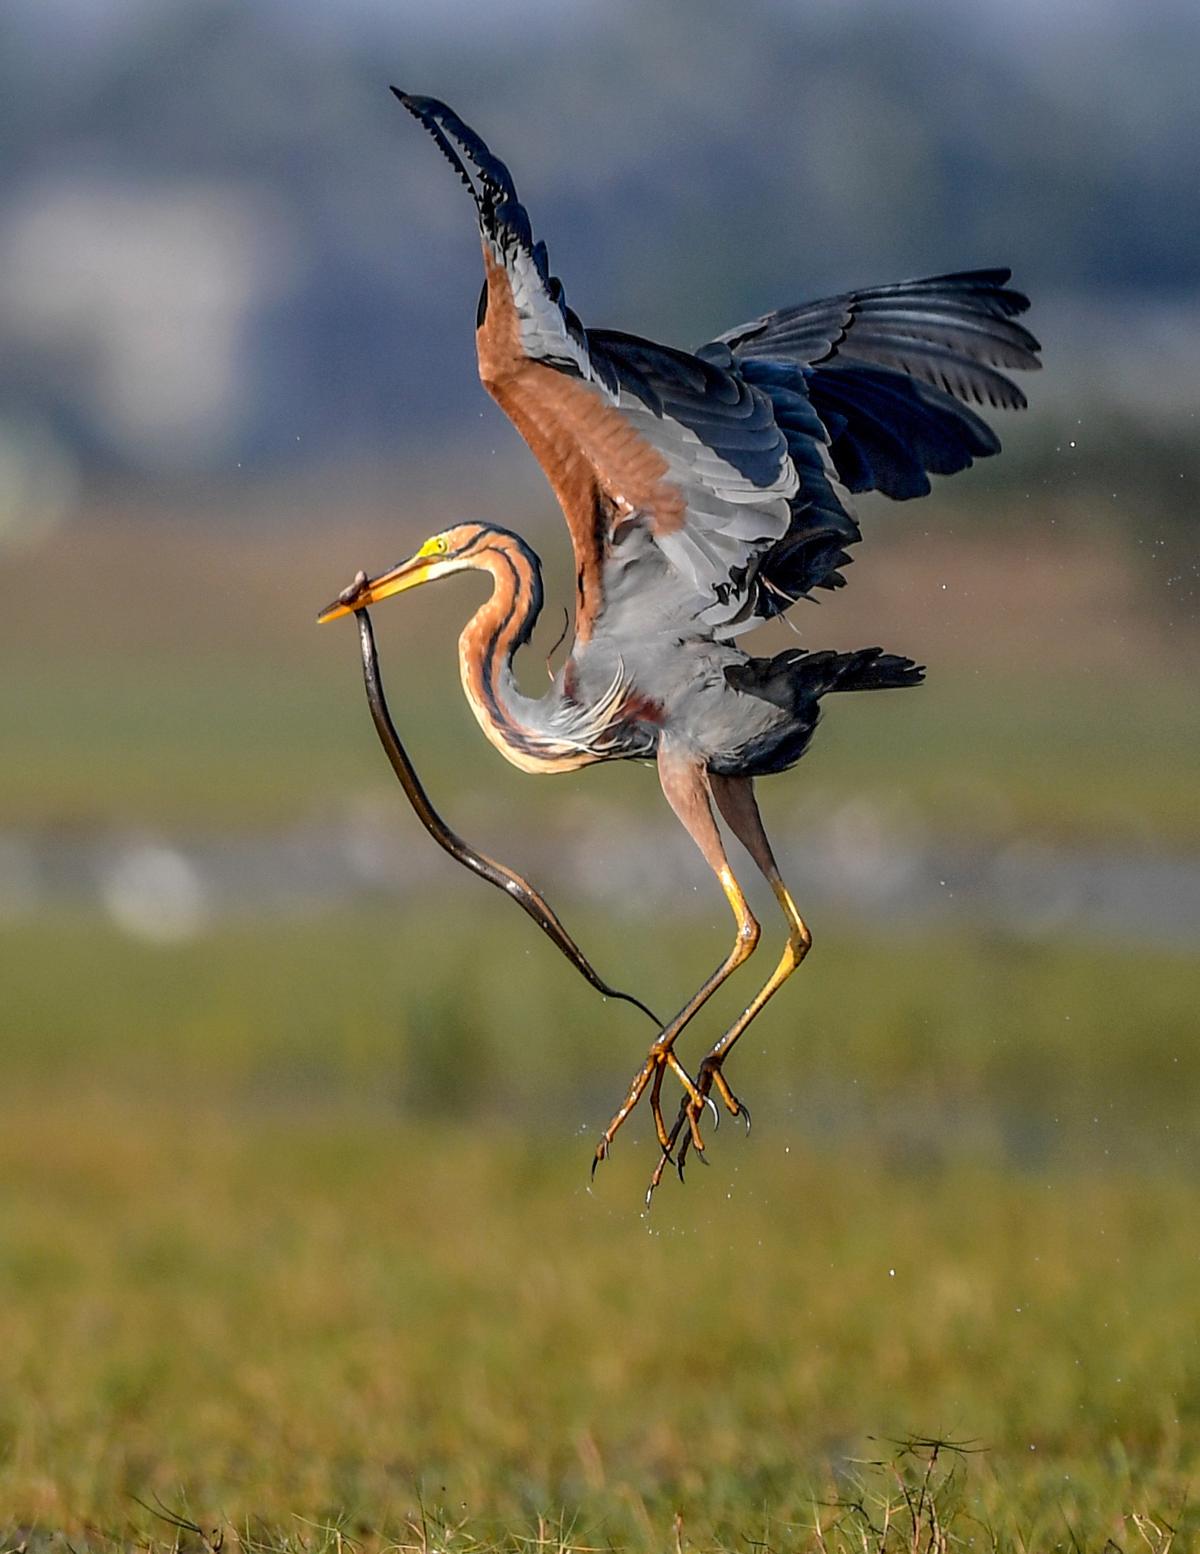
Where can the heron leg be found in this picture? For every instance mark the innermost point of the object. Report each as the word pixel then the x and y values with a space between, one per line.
pixel 735 798
pixel 685 782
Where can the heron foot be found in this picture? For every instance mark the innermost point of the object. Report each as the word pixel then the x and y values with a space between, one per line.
pixel 658 1061
pixel 709 1076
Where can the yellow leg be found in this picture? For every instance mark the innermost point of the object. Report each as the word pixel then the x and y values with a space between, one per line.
pixel 710 1076
pixel 798 945
pixel 735 798
pixel 660 1054
pixel 686 786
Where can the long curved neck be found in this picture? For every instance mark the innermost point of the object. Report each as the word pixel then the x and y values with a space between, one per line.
pixel 517 725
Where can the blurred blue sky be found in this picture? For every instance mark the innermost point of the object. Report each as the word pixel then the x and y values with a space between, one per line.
pixel 224 248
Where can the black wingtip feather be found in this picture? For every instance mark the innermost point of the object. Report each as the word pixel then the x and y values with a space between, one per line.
pixel 491 185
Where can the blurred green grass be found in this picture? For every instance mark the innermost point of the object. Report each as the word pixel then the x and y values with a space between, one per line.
pixel 1017 1052
pixel 217 742
pixel 258 1319
pixel 178 679
pixel 296 1223
pixel 296 1226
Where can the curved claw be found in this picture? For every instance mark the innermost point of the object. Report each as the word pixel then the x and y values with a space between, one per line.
pixel 601 1154
pixel 712 1106
pixel 656 1175
pixel 746 1115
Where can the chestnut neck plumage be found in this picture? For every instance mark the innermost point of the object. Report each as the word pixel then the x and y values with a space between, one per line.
pixel 526 730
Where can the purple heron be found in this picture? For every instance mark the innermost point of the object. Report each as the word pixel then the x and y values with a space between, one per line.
pixel 705 492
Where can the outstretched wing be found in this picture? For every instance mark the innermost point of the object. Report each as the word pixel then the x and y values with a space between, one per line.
pixel 871 389
pixel 733 465
pixel 630 434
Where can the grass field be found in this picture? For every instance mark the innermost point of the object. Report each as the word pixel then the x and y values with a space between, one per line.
pixel 297 1233
pixel 331 1318
pixel 243 744
pixel 179 680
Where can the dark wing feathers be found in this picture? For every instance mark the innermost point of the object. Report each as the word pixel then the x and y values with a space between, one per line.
pixel 823 522
pixel 889 373
pixel 889 433
pixel 718 405
pixel 955 310
pixel 696 454
pixel 738 460
pixel 552 330
pixel 950 331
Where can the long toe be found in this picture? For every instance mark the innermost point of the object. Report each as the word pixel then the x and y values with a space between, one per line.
pixel 711 1077
pixel 693 1126
pixel 656 1176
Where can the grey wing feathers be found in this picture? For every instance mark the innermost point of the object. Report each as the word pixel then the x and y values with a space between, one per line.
pixel 714 431
pixel 743 455
pixel 870 389
pixel 950 331
pixel 724 451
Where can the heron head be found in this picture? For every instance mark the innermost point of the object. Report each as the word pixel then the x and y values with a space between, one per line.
pixel 450 551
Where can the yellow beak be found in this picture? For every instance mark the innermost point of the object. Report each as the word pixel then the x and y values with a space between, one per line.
pixel 364 591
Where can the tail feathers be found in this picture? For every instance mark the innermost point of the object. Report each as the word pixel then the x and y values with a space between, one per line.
pixel 795 677
pixel 871 669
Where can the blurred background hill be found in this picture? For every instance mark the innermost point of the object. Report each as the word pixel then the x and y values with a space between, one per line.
pixel 224 253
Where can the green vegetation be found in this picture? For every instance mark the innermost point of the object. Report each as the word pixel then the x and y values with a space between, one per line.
pixel 226 742
pixel 1006 1052
pixel 296 1233
pixel 193 690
